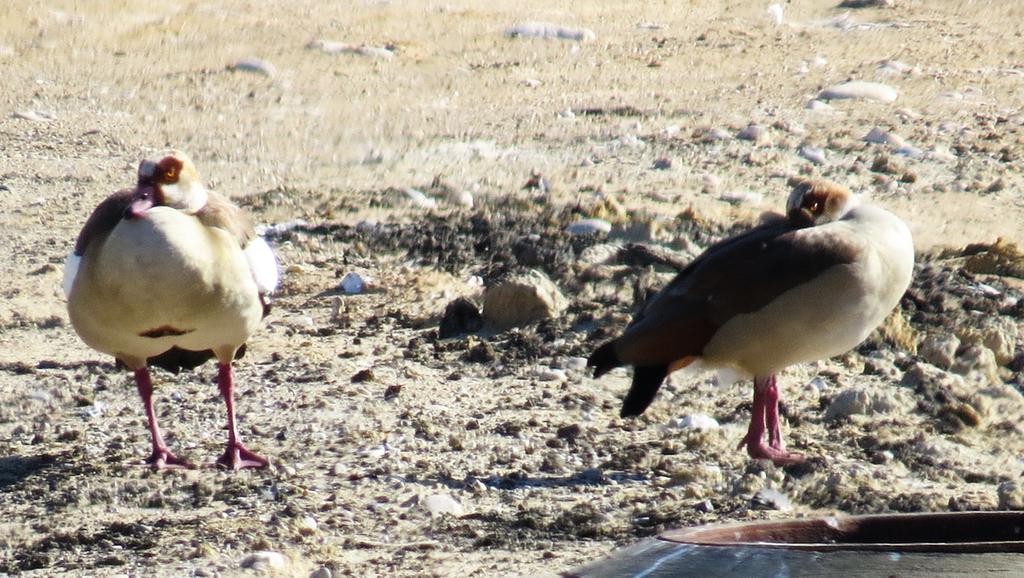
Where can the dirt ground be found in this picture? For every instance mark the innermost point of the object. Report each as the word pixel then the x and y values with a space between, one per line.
pixel 637 125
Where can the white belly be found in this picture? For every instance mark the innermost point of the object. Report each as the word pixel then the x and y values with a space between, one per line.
pixel 167 275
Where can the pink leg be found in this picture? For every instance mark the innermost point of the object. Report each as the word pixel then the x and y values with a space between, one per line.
pixel 236 456
pixel 771 416
pixel 161 456
pixel 765 412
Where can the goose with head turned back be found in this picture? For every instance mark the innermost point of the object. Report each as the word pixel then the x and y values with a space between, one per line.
pixel 171 274
pixel 805 286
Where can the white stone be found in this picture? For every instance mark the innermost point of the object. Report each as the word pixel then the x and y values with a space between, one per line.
pixel 441 504
pixel 333 47
pixel 352 283
pixel 418 199
pixel 878 136
pixel 254 65
pixel 585 226
pixel 551 374
pixel 697 421
pixel 814 154
pixel 263 559
pixel 742 197
pixel 548 30
pixel 860 89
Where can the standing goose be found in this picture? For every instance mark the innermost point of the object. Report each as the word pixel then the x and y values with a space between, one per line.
pixel 803 287
pixel 171 274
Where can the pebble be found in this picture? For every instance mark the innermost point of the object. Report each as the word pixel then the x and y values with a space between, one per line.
pixel 715 134
pixel 548 30
pixel 939 349
pixel 775 14
pixel 879 136
pixel 322 572
pixel 755 133
pixel 742 198
pixel 551 374
pixel 587 226
pixel 1011 496
pixel 254 65
pixel 771 499
pixel 33 115
pixel 576 363
pixel 418 199
pixel 601 254
pixel 696 421
pixel 521 300
pixel 814 154
pixel 332 47
pixel 352 283
pixel 819 106
pixel 858 401
pixel 894 67
pixel 441 504
pixel 860 89
pixel 262 560
pixel 662 164
pixel 462 199
pixel 977 361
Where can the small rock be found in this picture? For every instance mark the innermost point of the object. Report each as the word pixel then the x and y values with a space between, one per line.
pixel 547 30
pixel 418 199
pixel 755 133
pixel 662 164
pixel 977 361
pixel 363 376
pixel 254 65
pixel 551 374
pixel 352 283
pixel 857 401
pixel 742 198
pixel 462 199
pixel 332 47
pixel 461 316
pixel 576 363
pixel 867 4
pixel 307 525
pixel 771 499
pixel 521 300
pixel 714 135
pixel 697 421
pixel 441 504
pixel 33 115
pixel 819 106
pixel 322 572
pixel 482 352
pixel 392 391
pixel 878 136
pixel 939 349
pixel 859 89
pixel 587 226
pixel 601 254
pixel 814 154
pixel 263 560
pixel 1011 496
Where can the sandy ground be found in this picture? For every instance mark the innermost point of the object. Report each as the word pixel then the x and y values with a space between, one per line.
pixel 544 473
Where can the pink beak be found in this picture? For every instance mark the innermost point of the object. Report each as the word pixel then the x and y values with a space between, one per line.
pixel 142 201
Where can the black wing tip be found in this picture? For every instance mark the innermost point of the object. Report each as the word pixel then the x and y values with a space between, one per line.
pixel 604 359
pixel 646 383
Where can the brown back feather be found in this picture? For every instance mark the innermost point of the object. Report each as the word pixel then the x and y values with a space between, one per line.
pixel 220 212
pixel 103 219
pixel 739 275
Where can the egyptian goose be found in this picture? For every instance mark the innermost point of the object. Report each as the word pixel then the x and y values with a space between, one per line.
pixel 805 286
pixel 171 274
